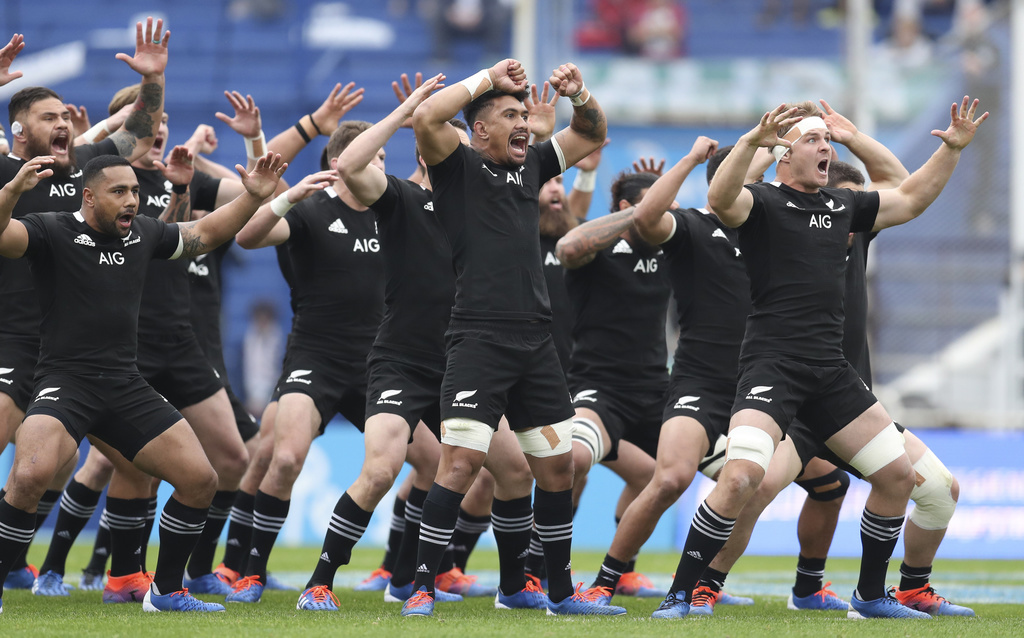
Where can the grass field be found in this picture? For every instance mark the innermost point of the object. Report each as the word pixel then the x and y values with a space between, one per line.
pixel 1000 583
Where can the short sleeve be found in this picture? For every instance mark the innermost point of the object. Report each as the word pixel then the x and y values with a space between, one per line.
pixel 548 161
pixel 297 227
pixel 444 172
pixel 169 243
pixel 203 191
pixel 390 199
pixel 38 238
pixel 865 210
pixel 86 152
pixel 680 230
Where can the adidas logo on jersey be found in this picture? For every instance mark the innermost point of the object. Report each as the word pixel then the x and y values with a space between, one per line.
pixel 758 390
pixel 622 247
pixel 85 240
pixel 385 397
pixel 684 403
pixel 460 398
pixel 337 227
pixel 324 557
pixel 718 233
pixel 429 206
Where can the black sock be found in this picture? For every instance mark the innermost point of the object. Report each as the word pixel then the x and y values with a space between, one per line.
pixel 440 513
pixel 147 530
pixel 16 530
pixel 713 579
pixel 513 525
pixel 46 503
pixel 878 536
pixel 201 561
pixel 180 527
pixel 347 526
pixel 611 571
pixel 395 534
pixel 77 505
pixel 268 518
pixel 101 547
pixel 467 532
pixel 535 559
pixel 708 533
pixel 405 562
pixel 914 577
pixel 236 550
pixel 553 513
pixel 809 575
pixel 127 520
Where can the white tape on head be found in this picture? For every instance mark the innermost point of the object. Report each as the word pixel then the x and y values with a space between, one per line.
pixel 799 130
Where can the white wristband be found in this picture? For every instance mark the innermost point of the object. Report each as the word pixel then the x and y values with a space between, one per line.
pixel 249 152
pixel 91 135
pixel 472 84
pixel 280 205
pixel 585 182
pixel 578 99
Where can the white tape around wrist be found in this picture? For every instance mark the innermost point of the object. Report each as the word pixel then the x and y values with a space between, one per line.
pixel 91 135
pixel 577 98
pixel 472 83
pixel 250 144
pixel 585 182
pixel 280 205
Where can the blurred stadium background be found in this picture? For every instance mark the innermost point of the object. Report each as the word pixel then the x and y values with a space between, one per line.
pixel 946 311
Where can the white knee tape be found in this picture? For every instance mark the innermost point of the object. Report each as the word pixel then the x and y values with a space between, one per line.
pixel 467 433
pixel 933 497
pixel 587 433
pixel 886 447
pixel 549 440
pixel 714 461
pixel 750 444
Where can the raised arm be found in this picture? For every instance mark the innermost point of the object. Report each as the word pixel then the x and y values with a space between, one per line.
pixel 579 246
pixel 588 127
pixel 726 195
pixel 219 226
pixel 900 205
pixel 268 226
pixel 883 167
pixel 136 137
pixel 582 193
pixel 7 55
pixel 13 236
pixel 323 121
pixel 355 166
pixel 541 113
pixel 651 218
pixel 435 137
pixel 247 123
pixel 179 171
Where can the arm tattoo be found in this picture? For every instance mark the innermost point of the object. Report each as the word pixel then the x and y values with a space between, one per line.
pixel 589 122
pixel 587 240
pixel 178 210
pixel 193 244
pixel 139 124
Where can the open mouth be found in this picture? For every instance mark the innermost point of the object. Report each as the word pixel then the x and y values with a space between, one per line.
pixel 518 142
pixel 556 204
pixel 158 144
pixel 823 167
pixel 124 220
pixel 60 143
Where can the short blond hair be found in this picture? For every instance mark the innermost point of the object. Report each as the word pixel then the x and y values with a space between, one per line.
pixel 804 109
pixel 123 98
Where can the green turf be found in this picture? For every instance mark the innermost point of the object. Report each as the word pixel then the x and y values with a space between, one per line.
pixel 364 614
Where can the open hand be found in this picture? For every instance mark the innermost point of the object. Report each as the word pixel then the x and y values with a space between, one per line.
pixel 962 125
pixel 178 170
pixel 246 121
pixel 150 49
pixel 262 180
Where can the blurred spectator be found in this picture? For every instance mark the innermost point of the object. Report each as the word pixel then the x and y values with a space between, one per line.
pixel 771 11
pixel 486 21
pixel 907 46
pixel 259 9
pixel 652 28
pixel 262 349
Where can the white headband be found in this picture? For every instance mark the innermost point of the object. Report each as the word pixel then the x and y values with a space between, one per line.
pixel 804 125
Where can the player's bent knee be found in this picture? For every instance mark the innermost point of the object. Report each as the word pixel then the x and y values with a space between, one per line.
pixel 587 433
pixel 547 441
pixel 934 502
pixel 883 449
pixel 467 433
pixel 713 462
pixel 829 487
pixel 748 443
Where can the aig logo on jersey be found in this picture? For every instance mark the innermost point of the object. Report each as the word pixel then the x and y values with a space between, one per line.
pixel 63 190
pixel 108 258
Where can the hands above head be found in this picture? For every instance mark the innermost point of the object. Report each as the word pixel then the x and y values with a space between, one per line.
pixel 541 118
pixel 340 101
pixel 841 129
pixel 262 180
pixel 31 173
pixel 150 49
pixel 766 133
pixel 647 165
pixel 246 121
pixel 508 76
pixel 79 118
pixel 203 140
pixel 7 55
pixel 567 80
pixel 962 125
pixel 410 98
pixel 311 184
pixel 178 170
pixel 702 150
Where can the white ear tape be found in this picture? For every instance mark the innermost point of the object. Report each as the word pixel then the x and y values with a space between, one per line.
pixel 16 128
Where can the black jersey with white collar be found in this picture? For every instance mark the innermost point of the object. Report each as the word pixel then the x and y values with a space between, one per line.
pixel 620 302
pixel 337 275
pixel 558 295
pixel 165 297
pixel 794 244
pixel 855 332
pixel 204 293
pixel 492 219
pixel 19 311
pixel 90 287
pixel 712 294
pixel 420 282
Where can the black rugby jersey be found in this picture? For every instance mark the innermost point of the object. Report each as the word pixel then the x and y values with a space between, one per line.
pixel 794 244
pixel 165 297
pixel 492 219
pixel 337 275
pixel 855 331
pixel 204 304
pixel 19 312
pixel 620 302
pixel 90 287
pixel 712 295
pixel 561 309
pixel 420 282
